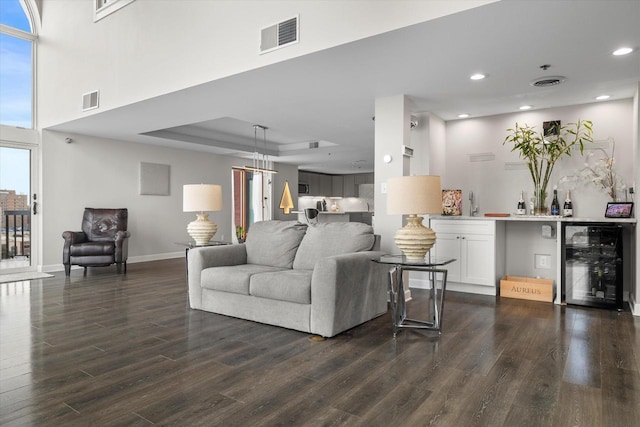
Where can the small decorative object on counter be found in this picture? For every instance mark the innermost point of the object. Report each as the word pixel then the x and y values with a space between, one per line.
pixel 567 210
pixel 241 234
pixel 522 207
pixel 451 202
pixel 555 205
pixel 532 206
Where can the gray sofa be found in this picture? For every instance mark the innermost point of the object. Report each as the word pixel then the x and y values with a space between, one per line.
pixel 317 279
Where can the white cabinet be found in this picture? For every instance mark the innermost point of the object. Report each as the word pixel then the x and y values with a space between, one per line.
pixel 472 243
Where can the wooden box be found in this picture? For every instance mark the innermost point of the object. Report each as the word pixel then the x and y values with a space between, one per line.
pixel 527 288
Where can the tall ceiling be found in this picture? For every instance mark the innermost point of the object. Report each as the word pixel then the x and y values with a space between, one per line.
pixel 328 97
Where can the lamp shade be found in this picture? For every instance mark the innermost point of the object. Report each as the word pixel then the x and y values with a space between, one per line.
pixel 414 195
pixel 201 198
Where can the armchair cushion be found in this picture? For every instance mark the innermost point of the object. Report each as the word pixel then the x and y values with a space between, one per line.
pixel 92 248
pixel 104 224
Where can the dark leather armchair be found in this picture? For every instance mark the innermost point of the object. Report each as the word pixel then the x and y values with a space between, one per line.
pixel 103 240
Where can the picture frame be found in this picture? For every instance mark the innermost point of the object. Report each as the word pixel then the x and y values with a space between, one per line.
pixel 452 202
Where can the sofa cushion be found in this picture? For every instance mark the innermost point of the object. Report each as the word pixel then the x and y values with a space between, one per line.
pixel 333 238
pixel 233 278
pixel 288 285
pixel 274 243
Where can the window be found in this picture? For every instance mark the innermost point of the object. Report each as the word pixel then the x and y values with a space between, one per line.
pixel 16 66
pixel 107 7
pixel 251 197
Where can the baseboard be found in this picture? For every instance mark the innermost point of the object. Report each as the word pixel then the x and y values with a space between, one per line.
pixel 634 305
pixel 131 260
pixel 454 286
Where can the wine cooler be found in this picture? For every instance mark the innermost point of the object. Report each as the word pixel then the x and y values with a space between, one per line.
pixel 592 264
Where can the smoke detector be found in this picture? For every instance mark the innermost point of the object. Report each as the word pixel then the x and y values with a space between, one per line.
pixel 548 81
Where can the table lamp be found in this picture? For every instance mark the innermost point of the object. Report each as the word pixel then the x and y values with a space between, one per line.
pixel 201 198
pixel 413 196
pixel 286 202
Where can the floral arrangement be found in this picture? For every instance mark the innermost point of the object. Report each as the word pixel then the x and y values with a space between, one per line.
pixel 600 172
pixel 541 152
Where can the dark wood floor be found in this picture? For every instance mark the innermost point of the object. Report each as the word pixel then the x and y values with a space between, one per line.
pixel 126 350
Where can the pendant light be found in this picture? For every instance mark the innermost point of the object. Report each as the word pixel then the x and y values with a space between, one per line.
pixel 260 165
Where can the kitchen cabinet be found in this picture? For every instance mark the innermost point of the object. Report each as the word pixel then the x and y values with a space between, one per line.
pixel 349 188
pixel 363 178
pixel 319 184
pixel 472 243
pixel 324 185
pixel 337 182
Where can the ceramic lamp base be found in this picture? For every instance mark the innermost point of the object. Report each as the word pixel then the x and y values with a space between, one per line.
pixel 414 239
pixel 202 230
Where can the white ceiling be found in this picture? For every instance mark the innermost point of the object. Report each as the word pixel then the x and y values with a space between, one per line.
pixel 329 96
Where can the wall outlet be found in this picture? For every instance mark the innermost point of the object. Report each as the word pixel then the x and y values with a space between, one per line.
pixel 383 188
pixel 542 261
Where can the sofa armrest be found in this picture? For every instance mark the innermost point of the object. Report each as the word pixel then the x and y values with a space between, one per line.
pixel 71 238
pixel 347 290
pixel 210 256
pixel 122 246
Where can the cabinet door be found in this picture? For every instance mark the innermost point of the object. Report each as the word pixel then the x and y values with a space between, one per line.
pixel 326 185
pixel 336 186
pixel 349 186
pixel 448 246
pixel 314 184
pixel 477 264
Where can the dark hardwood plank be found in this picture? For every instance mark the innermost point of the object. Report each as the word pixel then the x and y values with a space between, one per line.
pixel 116 350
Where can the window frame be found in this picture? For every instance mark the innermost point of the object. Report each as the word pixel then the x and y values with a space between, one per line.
pixel 31 37
pixel 104 8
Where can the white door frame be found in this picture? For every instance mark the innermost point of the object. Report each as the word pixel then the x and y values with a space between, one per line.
pixel 28 139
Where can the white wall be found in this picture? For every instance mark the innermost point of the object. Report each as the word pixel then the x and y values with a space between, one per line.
pixel 150 48
pixel 497 189
pixel 93 172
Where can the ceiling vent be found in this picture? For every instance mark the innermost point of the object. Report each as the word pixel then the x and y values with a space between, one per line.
pixel 314 144
pixel 548 81
pixel 90 100
pixel 279 35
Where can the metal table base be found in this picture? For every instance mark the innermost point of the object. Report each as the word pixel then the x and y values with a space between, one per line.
pixel 396 291
pixel 399 305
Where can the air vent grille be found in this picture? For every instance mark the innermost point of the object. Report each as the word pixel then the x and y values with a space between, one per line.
pixel 90 100
pixel 314 144
pixel 288 31
pixel 279 35
pixel 548 81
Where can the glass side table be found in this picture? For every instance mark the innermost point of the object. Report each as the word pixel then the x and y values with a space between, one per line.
pixel 192 245
pixel 434 267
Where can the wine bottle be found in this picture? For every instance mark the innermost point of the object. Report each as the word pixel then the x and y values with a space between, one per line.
pixel 555 205
pixel 522 207
pixel 568 206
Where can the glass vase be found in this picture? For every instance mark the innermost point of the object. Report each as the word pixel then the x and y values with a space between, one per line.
pixel 540 201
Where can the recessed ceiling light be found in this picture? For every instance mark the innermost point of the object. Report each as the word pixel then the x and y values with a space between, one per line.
pixel 622 51
pixel 463 116
pixel 478 76
pixel 602 97
pixel 526 107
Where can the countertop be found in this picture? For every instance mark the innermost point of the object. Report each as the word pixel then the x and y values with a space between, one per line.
pixel 334 213
pixel 533 218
